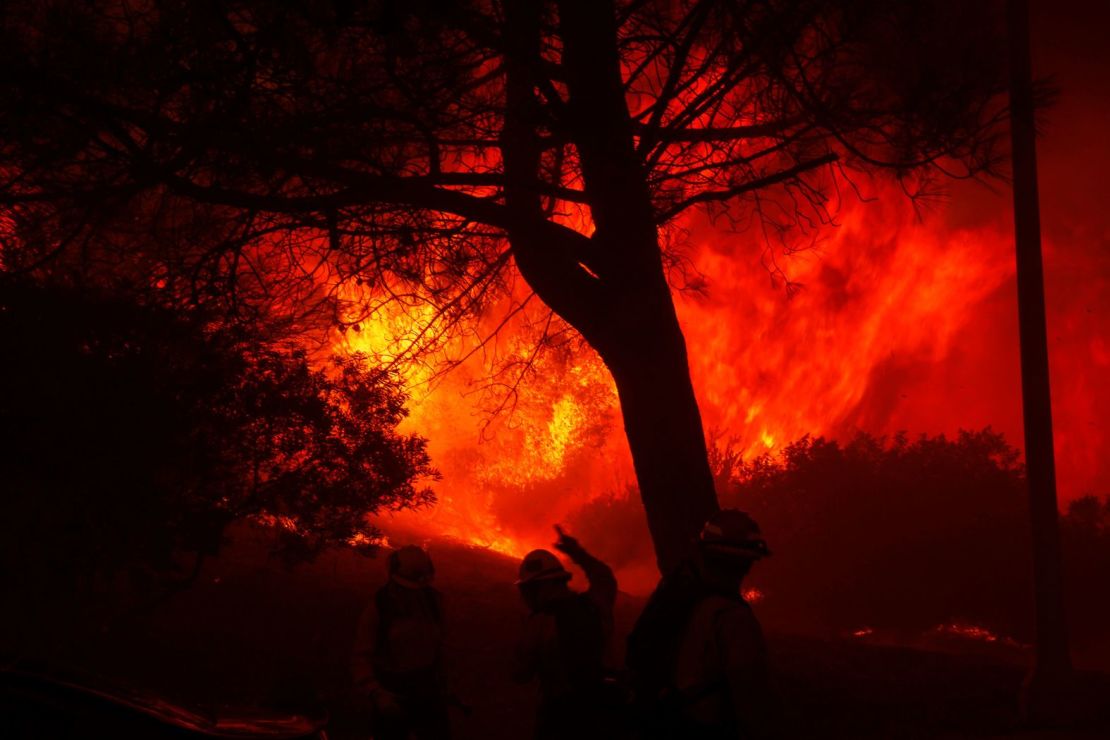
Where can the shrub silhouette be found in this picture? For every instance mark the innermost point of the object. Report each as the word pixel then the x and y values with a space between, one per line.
pixel 134 435
pixel 895 534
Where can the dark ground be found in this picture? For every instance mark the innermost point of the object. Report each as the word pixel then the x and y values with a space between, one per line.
pixel 250 632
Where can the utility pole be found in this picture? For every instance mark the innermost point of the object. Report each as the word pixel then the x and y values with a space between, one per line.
pixel 1047 689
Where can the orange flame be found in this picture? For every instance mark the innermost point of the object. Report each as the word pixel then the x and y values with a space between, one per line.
pixel 886 300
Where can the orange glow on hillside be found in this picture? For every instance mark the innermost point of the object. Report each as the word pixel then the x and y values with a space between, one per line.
pixel 975 632
pixel 559 430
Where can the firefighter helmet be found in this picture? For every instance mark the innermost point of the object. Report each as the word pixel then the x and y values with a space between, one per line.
pixel 541 565
pixel 732 533
pixel 411 566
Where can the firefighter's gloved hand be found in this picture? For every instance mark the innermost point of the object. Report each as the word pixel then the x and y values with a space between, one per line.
pixel 566 543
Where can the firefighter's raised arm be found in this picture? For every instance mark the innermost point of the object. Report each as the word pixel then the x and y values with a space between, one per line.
pixel 603 584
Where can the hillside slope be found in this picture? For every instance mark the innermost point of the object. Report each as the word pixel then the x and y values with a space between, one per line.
pixel 251 632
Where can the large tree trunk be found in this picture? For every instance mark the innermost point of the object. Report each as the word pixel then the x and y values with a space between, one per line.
pixel 612 286
pixel 665 433
pixel 639 337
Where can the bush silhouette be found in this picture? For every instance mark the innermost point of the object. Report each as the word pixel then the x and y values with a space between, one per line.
pixel 134 435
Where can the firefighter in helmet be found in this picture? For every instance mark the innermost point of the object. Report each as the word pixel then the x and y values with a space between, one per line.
pixel 397 663
pixel 563 643
pixel 697 652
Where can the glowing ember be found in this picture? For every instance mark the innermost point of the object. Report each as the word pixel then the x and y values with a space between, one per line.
pixel 974 632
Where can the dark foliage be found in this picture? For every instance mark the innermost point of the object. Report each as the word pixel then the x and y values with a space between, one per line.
pixel 909 534
pixel 895 534
pixel 1085 531
pixel 133 435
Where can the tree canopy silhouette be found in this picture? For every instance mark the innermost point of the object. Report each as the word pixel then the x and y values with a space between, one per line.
pixel 908 534
pixel 134 435
pixel 258 154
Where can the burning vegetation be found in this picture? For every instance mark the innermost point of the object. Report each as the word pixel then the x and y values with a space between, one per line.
pixel 622 265
pixel 485 159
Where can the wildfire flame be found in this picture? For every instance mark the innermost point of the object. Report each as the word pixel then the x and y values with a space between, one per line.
pixel 884 293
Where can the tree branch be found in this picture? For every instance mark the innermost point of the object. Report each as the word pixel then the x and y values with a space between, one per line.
pixel 709 134
pixel 761 182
